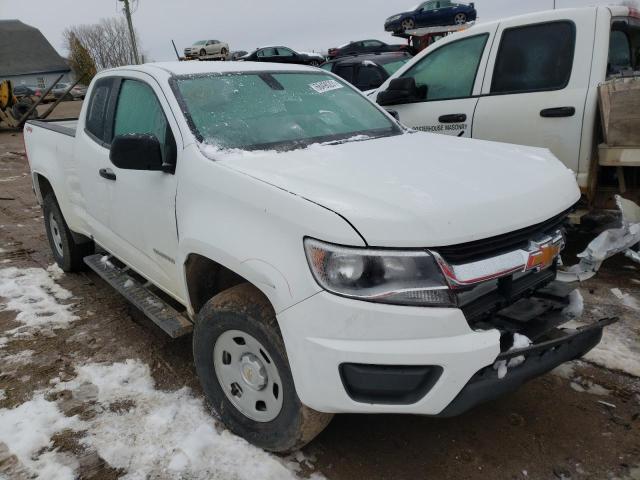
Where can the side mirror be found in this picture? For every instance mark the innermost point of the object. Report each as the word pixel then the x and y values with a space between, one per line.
pixel 138 151
pixel 402 90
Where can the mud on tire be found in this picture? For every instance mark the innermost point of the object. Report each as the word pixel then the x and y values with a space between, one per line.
pixel 244 308
pixel 67 253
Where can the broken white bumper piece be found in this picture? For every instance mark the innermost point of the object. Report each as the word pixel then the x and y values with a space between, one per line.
pixel 607 244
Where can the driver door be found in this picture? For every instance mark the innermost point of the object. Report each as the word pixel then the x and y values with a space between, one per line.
pixel 451 74
pixel 267 55
pixel 425 15
pixel 286 55
pixel 142 202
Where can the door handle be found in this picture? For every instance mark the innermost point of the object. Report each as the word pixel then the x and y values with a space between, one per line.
pixel 558 112
pixel 453 118
pixel 107 173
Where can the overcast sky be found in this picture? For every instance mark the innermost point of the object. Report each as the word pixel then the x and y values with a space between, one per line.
pixel 246 24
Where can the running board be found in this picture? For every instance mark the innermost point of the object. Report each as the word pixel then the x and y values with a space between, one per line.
pixel 172 322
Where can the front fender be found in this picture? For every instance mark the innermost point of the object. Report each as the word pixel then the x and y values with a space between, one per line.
pixel 252 228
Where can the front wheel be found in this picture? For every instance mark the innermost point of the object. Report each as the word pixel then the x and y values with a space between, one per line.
pixel 203 52
pixel 408 24
pixel 244 371
pixel 224 52
pixel 314 63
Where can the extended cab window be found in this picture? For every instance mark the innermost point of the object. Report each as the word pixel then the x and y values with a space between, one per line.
pixel 535 58
pixel 450 71
pixel 139 111
pixel 96 122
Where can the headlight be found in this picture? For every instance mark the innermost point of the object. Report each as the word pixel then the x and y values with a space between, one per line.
pixel 410 277
pixel 394 18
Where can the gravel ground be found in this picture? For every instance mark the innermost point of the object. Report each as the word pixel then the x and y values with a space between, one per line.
pixel 582 422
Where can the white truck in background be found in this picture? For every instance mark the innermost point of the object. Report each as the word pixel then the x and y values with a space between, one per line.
pixel 266 209
pixel 527 80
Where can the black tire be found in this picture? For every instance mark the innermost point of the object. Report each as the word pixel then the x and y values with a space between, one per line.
pixel 22 107
pixel 245 308
pixel 460 19
pixel 314 63
pixel 407 24
pixel 67 253
pixel 224 51
pixel 203 52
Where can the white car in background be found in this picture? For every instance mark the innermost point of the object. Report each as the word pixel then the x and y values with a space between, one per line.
pixel 207 47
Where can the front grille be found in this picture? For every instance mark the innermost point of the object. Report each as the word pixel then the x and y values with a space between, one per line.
pixel 494 246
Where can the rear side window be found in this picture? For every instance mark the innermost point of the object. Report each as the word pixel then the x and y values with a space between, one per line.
pixel 369 77
pixel 345 71
pixel 97 122
pixel 619 50
pixel 535 58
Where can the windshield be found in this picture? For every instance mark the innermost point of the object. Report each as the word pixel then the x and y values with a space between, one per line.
pixel 201 42
pixel 261 110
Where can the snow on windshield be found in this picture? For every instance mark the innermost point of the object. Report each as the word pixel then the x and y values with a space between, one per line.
pixel 277 110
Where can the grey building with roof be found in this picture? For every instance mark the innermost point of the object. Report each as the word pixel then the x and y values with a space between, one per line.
pixel 27 57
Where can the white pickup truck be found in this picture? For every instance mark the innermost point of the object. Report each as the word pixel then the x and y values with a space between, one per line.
pixel 269 210
pixel 529 80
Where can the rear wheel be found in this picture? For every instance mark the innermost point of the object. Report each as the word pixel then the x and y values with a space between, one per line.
pixel 67 253
pixel 460 19
pixel 243 367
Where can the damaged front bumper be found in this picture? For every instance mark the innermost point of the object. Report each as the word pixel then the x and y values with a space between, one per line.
pixel 538 359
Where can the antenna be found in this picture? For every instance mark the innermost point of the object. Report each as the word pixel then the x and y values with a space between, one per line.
pixel 175 49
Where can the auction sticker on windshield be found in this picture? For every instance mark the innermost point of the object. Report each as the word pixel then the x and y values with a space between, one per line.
pixel 325 86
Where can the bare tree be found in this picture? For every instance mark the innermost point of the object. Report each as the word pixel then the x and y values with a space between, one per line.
pixel 107 43
pixel 79 59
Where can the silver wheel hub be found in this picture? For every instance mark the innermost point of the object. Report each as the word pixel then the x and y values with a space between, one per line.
pixel 248 375
pixel 56 236
pixel 253 371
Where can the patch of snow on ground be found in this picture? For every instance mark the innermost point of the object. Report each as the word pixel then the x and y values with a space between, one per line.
pixel 35 296
pixel 586 386
pixel 164 434
pixel 566 370
pixel 20 358
pixel 128 283
pixel 27 430
pixel 55 271
pixel 3 395
pixel 618 350
pixel 626 299
pixel 576 305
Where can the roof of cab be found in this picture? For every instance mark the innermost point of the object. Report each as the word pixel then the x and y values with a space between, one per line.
pixel 616 11
pixel 198 68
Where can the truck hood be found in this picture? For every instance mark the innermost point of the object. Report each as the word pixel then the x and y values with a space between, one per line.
pixel 421 189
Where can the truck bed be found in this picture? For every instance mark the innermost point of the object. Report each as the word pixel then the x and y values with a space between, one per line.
pixel 66 126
